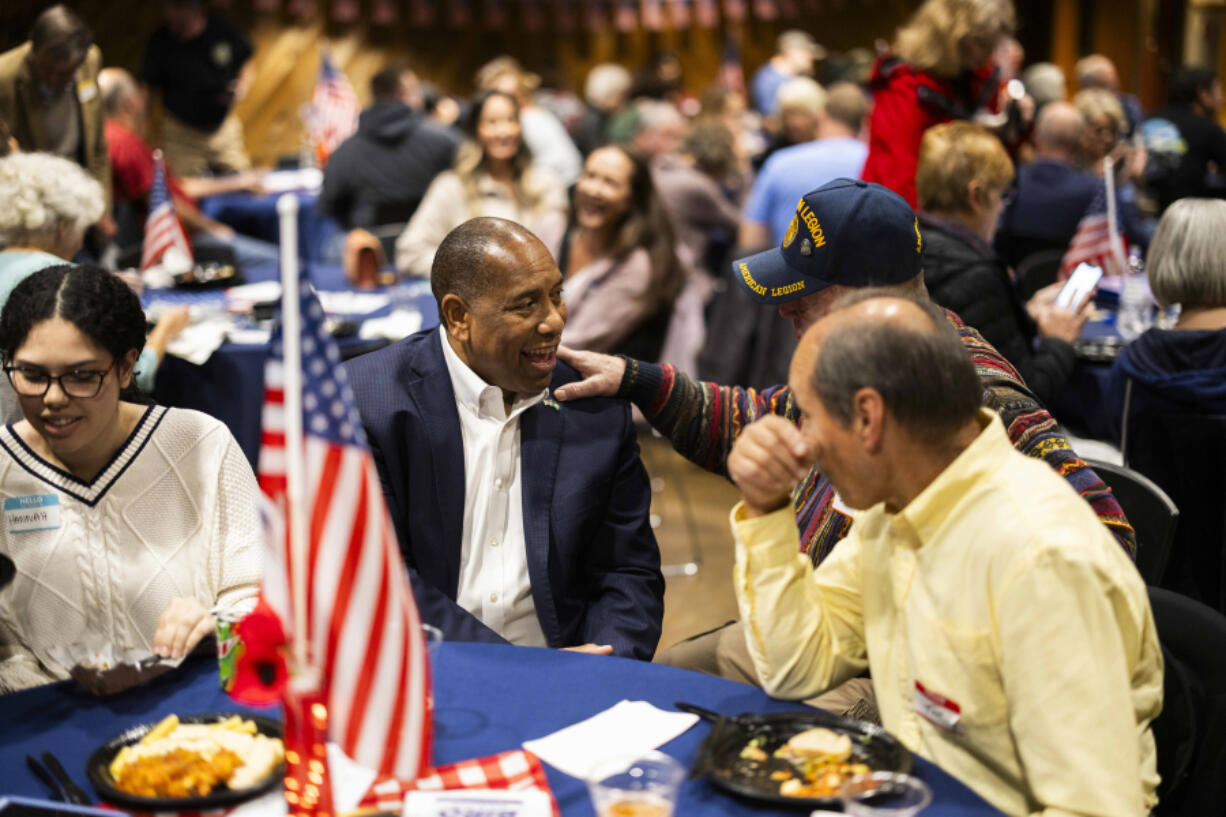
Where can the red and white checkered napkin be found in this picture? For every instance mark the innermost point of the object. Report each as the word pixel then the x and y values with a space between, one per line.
pixel 515 770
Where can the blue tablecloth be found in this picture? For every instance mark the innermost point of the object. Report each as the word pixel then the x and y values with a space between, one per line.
pixel 230 384
pixel 255 214
pixel 488 698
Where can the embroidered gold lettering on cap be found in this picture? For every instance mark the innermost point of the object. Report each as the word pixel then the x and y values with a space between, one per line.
pixel 787 290
pixel 815 226
pixel 919 239
pixel 790 235
pixel 749 281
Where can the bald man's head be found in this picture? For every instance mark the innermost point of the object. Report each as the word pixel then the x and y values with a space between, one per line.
pixel 1058 131
pixel 474 257
pixel 905 350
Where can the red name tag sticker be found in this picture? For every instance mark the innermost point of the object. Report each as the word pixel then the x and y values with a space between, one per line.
pixel 935 708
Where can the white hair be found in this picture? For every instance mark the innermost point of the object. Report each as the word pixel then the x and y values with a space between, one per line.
pixel 800 93
pixel 1186 263
pixel 1045 82
pixel 605 83
pixel 40 192
pixel 654 115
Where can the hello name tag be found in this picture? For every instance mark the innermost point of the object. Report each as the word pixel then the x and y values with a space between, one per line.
pixel 26 514
pixel 938 710
pixel 477 803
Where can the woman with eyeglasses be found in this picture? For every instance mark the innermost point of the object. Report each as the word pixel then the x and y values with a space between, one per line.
pixel 963 179
pixel 128 523
pixel 49 203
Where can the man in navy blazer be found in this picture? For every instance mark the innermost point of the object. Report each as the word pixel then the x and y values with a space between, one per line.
pixel 477 390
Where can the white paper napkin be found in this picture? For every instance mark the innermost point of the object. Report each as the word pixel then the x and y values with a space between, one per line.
pixel 399 324
pixel 199 341
pixel 629 728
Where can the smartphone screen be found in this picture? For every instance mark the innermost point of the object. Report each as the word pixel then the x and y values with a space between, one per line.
pixel 1080 283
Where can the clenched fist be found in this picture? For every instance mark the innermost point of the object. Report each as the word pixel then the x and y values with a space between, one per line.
pixel 769 458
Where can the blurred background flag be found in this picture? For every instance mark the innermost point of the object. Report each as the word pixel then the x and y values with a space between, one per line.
pixel 421 13
pixel 706 13
pixel 1099 240
pixel 625 17
pixel 679 14
pixel 163 230
pixel 595 16
pixel 766 10
pixel 333 110
pixel 384 12
pixel 459 13
pixel 653 15
pixel 734 11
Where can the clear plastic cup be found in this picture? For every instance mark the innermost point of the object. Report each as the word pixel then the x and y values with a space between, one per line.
pixel 644 786
pixel 885 794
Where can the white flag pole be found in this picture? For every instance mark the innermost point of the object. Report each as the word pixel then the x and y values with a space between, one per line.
pixel 295 469
pixel 1117 247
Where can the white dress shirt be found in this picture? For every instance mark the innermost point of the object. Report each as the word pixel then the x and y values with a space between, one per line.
pixel 494 582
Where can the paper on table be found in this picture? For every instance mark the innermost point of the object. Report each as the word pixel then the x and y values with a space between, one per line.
pixel 351 303
pixel 629 728
pixel 399 324
pixel 198 342
pixel 349 780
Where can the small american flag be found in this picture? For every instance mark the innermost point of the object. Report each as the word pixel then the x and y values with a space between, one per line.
pixel 362 628
pixel 1093 243
pixel 163 230
pixel 334 108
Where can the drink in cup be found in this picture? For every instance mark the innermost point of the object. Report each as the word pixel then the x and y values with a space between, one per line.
pixel 229 646
pixel 636 786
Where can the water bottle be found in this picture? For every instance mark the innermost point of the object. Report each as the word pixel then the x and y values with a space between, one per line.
pixel 1136 303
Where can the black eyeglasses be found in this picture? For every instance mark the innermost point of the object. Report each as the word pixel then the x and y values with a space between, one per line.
pixel 29 381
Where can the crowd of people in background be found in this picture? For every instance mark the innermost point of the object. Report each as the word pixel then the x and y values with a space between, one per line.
pixel 667 230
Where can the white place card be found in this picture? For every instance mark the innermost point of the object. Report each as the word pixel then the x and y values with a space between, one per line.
pixel 477 803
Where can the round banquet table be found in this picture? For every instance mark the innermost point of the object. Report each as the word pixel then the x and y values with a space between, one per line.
pixel 488 698
pixel 230 384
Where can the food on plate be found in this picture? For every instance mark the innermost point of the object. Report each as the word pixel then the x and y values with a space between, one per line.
pixel 813 763
pixel 819 742
pixel 177 759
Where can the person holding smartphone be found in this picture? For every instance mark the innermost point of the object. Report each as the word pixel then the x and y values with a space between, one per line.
pixel 962 182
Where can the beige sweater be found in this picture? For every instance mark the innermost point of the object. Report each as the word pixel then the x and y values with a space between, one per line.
pixel 447 205
pixel 173 515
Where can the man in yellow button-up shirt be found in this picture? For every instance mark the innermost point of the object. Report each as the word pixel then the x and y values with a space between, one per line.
pixel 1009 638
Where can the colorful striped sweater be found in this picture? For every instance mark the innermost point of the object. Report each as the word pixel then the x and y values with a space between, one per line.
pixel 703 420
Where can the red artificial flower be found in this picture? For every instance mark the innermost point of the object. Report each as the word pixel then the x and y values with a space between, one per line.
pixel 260 668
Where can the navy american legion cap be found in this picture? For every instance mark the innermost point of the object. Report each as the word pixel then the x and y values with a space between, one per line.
pixel 847 232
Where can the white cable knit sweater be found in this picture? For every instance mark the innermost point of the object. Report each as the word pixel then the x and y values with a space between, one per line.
pixel 174 514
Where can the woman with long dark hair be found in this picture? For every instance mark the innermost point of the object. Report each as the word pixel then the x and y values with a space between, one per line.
pixel 618 258
pixel 141 519
pixel 494 175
